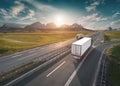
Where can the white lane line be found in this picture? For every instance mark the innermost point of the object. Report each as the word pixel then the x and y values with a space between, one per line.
pixel 76 70
pixel 27 56
pixel 56 68
pixel 11 57
pixel 98 68
pixel 16 56
pixel 31 51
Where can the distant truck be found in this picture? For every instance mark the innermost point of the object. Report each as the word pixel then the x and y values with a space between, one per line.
pixel 80 47
pixel 79 36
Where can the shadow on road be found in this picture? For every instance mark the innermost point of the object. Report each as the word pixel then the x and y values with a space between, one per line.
pixel 86 73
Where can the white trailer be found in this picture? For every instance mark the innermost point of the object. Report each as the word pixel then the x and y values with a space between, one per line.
pixel 80 47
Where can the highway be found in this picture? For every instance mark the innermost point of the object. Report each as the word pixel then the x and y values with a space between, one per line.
pixel 69 71
pixel 65 68
pixel 17 59
pixel 60 73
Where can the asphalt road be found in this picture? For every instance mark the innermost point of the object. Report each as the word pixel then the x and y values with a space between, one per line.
pixel 59 73
pixel 17 59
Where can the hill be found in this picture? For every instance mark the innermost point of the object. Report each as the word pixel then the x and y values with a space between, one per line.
pixel 37 26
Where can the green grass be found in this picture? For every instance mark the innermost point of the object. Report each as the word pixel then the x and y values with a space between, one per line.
pixel 12 42
pixel 111 35
pixel 114 70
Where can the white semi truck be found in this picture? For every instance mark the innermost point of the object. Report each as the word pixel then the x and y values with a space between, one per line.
pixel 80 47
pixel 79 36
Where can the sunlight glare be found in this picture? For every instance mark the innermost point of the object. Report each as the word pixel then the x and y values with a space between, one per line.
pixel 59 20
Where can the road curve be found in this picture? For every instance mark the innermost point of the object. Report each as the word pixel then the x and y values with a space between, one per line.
pixel 58 73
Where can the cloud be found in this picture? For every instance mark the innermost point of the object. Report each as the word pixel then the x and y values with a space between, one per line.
pixel 17 2
pixel 43 10
pixel 92 21
pixel 29 16
pixel 92 6
pixel 101 18
pixel 115 14
pixel 94 17
pixel 95 4
pixel 42 7
pixel 89 17
pixel 115 22
pixel 3 12
pixel 15 10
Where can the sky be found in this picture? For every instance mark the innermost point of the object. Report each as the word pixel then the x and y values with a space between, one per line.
pixel 92 14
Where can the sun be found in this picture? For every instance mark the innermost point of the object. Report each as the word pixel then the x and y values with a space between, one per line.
pixel 59 20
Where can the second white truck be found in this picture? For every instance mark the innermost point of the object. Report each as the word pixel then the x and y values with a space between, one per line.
pixel 80 47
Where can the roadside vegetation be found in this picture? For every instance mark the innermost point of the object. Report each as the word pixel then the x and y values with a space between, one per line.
pixel 113 54
pixel 114 70
pixel 111 35
pixel 12 42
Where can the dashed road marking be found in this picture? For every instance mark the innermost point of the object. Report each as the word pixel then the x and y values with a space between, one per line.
pixel 56 69
pixel 16 56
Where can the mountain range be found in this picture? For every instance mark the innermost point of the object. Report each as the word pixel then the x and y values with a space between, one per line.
pixel 37 26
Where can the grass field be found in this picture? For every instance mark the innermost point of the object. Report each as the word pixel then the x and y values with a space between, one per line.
pixel 12 42
pixel 111 35
pixel 114 70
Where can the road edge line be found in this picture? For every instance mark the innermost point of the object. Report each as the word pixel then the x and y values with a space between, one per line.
pixel 98 68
